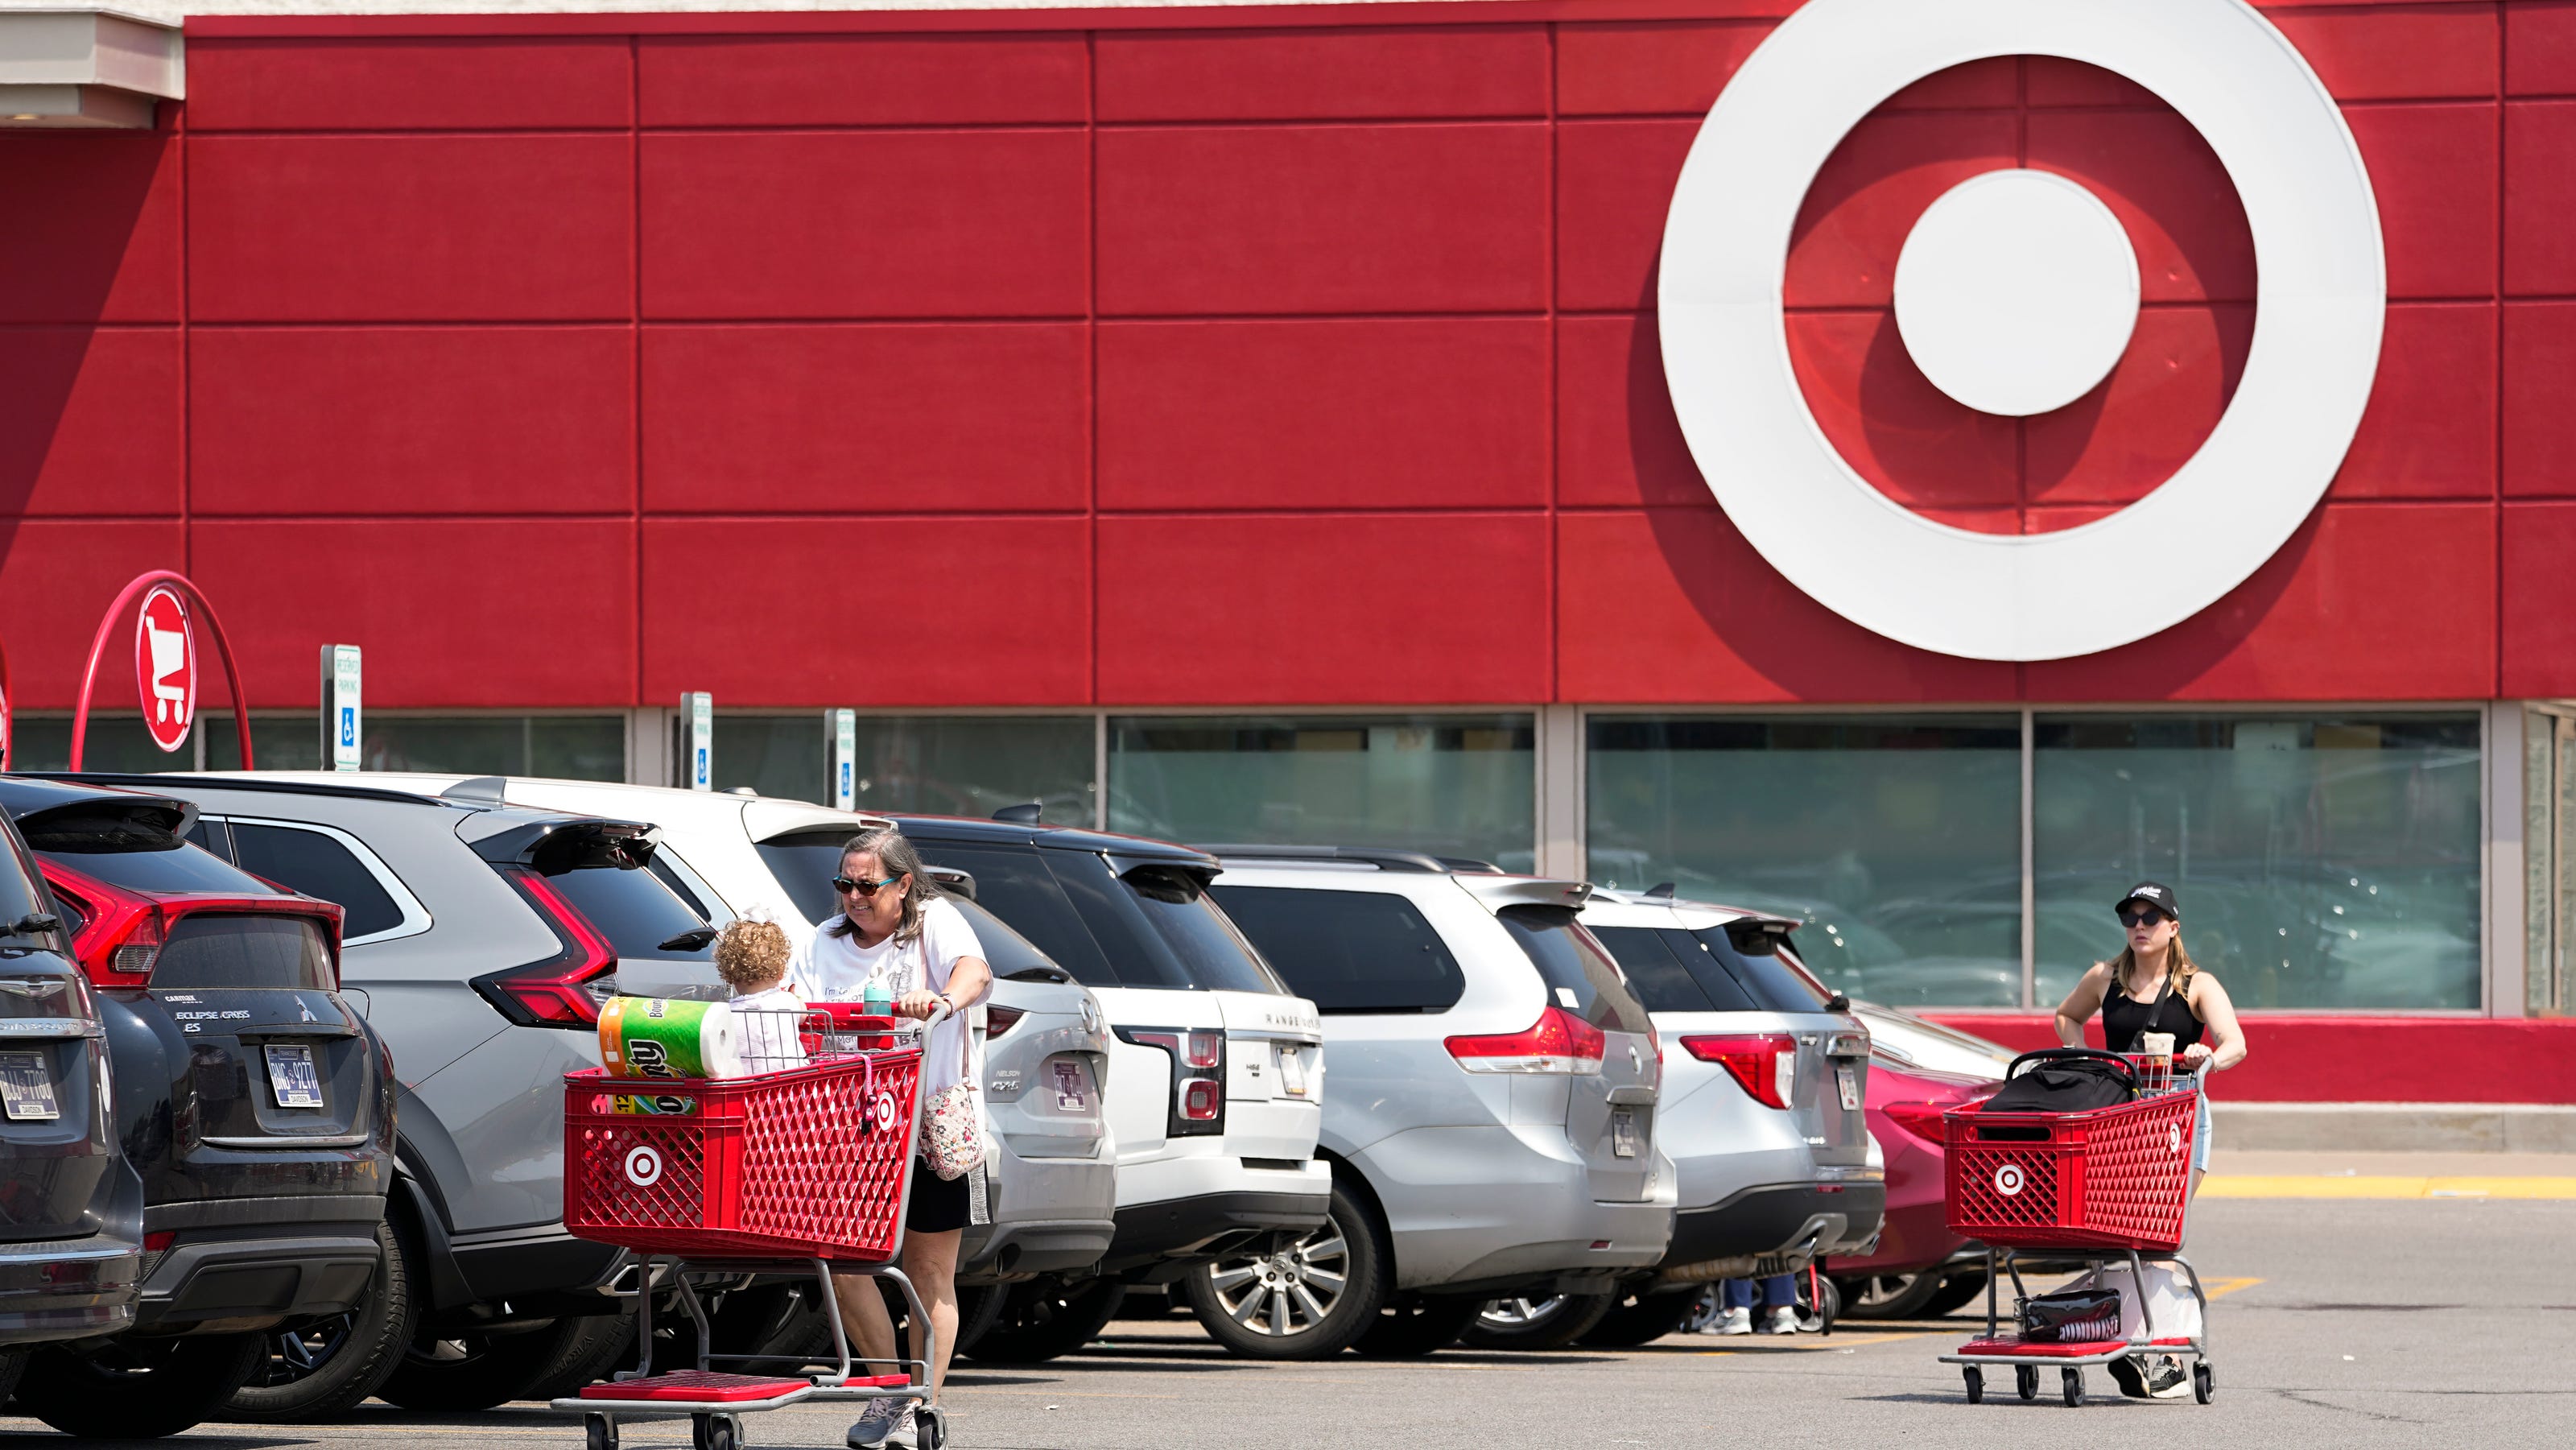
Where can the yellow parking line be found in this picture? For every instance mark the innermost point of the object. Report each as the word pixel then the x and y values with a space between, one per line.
pixel 2317 1185
pixel 2221 1288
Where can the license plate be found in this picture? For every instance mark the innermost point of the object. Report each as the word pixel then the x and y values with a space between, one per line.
pixel 1623 1133
pixel 1068 1087
pixel 291 1077
pixel 1292 1072
pixel 1849 1081
pixel 27 1087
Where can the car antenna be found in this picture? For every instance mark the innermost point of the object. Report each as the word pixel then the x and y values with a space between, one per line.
pixel 1020 815
pixel 1663 889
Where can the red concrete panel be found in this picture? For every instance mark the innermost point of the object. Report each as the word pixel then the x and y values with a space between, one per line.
pixel 2538 657
pixel 2323 621
pixel 1322 75
pixel 1979 85
pixel 411 83
pixel 2159 177
pixel 1908 438
pixel 1273 219
pixel 452 612
pixel 2050 81
pixel 2539 378
pixel 2540 165
pixel 90 422
pixel 1413 609
pixel 1617 441
pixel 1614 185
pixel 1672 606
pixel 1673 67
pixel 92 231
pixel 402 228
pixel 770 612
pixel 866 224
pixel 1873 189
pixel 2540 48
pixel 57 577
pixel 2397 52
pixel 827 419
pixel 1324 414
pixel 2430 429
pixel 2433 169
pixel 859 80
pixel 444 420
pixel 2118 442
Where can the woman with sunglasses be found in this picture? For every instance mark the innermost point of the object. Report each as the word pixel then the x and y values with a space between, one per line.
pixel 897 930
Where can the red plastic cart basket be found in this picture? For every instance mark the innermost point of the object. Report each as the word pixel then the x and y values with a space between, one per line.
pixel 2115 1177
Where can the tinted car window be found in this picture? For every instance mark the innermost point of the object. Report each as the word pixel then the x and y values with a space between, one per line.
pixel 1158 924
pixel 635 911
pixel 1005 951
pixel 1775 982
pixel 316 865
pixel 175 867
pixel 1671 971
pixel 1348 951
pixel 805 864
pixel 213 950
pixel 19 895
pixel 1580 976
pixel 1017 887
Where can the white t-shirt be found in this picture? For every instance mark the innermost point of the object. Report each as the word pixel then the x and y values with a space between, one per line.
pixel 830 968
pixel 768 1026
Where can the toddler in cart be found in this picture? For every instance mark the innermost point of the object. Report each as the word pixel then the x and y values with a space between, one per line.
pixel 768 1016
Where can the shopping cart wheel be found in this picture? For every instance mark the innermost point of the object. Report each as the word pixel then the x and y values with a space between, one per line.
pixel 2073 1384
pixel 599 1431
pixel 2204 1381
pixel 2026 1380
pixel 931 1424
pixel 1976 1379
pixel 715 1432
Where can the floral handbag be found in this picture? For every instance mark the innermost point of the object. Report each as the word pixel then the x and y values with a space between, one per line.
pixel 952 1131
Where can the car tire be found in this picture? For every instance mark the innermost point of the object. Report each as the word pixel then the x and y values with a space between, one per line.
pixel 1046 1318
pixel 1426 1325
pixel 1956 1293
pixel 458 1370
pixel 327 1369
pixel 13 1363
pixel 1236 1292
pixel 1637 1319
pixel 979 1308
pixel 584 1359
pixel 1537 1323
pixel 138 1389
pixel 1888 1296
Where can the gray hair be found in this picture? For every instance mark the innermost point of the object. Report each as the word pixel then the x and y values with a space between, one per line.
pixel 895 854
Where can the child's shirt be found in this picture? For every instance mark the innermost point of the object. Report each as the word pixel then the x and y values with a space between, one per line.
pixel 766 1027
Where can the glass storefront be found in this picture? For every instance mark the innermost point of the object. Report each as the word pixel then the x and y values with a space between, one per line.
pixel 1453 785
pixel 569 747
pixel 964 765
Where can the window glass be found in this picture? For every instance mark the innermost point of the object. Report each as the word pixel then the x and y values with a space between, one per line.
pixel 1897 839
pixel 2320 861
pixel 669 875
pixel 1348 951
pixel 555 747
pixel 635 911
pixel 19 895
pixel 1006 951
pixel 211 950
pixel 316 865
pixel 1580 976
pixel 1660 979
pixel 1452 785
pixel 179 867
pixel 1773 981
pixel 935 765
pixel 1160 928
pixel 1015 885
pixel 116 743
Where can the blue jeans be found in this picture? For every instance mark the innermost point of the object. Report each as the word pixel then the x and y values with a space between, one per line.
pixel 1780 1291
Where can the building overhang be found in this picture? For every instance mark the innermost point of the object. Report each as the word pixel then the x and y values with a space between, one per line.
pixel 86 69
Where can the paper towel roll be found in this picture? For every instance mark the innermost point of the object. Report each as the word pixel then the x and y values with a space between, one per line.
pixel 665 1038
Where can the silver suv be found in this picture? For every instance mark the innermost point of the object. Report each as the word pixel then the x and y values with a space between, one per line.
pixel 1765 1075
pixel 1493 1121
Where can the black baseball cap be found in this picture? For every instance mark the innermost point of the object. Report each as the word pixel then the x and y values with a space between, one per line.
pixel 2153 894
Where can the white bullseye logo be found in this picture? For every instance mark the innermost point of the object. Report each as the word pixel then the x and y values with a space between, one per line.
pixel 643 1167
pixel 2016 294
pixel 2173 1138
pixel 2008 1180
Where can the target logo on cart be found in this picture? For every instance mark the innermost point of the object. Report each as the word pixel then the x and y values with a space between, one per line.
pixel 2173 1137
pixel 881 1112
pixel 643 1167
pixel 2008 1180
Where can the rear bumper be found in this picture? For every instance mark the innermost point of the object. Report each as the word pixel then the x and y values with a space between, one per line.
pixel 1772 1229
pixel 61 1289
pixel 1037 1246
pixel 225 1283
pixel 1186 1228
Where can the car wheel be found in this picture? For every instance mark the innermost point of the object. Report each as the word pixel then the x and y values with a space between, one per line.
pixel 1956 1293
pixel 474 1369
pixel 585 1358
pixel 1045 1318
pixel 1305 1299
pixel 13 1363
pixel 326 1369
pixel 1641 1319
pixel 1550 1322
pixel 138 1389
pixel 1887 1296
pixel 1424 1326
pixel 979 1308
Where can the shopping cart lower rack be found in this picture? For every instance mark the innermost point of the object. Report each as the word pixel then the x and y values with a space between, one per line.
pixel 804 1169
pixel 2105 1186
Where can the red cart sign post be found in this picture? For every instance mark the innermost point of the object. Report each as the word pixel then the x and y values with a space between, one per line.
pixel 166 680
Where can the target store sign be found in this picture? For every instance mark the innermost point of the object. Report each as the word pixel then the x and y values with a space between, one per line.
pixel 165 667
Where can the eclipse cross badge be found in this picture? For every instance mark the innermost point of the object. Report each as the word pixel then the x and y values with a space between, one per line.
pixel 2008 1180
pixel 643 1167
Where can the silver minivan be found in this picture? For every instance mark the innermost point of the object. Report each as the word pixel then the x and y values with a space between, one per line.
pixel 1492 1127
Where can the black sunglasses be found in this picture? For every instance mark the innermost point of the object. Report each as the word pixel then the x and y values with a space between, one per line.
pixel 866 889
pixel 2140 916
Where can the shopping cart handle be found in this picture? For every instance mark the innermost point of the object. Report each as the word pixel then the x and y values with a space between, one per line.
pixel 2070 1054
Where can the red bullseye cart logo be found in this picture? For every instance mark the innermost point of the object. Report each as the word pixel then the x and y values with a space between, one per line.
pixel 2008 1180
pixel 643 1167
pixel 881 1113
pixel 165 667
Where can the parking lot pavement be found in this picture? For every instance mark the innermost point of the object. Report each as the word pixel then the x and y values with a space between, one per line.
pixel 2363 1322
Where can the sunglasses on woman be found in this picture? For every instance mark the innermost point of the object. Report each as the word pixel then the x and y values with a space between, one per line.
pixel 2142 916
pixel 866 890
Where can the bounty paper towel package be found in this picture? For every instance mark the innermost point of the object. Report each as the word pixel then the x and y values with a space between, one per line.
pixel 658 1037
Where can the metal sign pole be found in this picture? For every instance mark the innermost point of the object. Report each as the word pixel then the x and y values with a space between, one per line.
pixel 843 728
pixel 698 716
pixel 341 719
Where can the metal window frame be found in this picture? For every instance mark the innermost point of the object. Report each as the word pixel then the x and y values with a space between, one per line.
pixel 416 918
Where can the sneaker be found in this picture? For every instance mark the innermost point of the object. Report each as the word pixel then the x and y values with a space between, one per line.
pixel 2168 1380
pixel 2126 1374
pixel 907 1432
pixel 1783 1320
pixel 875 1422
pixel 1738 1320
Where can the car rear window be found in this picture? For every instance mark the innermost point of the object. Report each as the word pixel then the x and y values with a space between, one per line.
pixel 636 912
pixel 316 865
pixel 1775 981
pixel 1580 975
pixel 1160 926
pixel 1006 951
pixel 804 864
pixel 1671 971
pixel 18 893
pixel 211 949
pixel 178 866
pixel 1348 951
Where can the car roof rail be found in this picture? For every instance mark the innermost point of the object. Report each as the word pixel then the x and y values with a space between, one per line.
pixel 1384 858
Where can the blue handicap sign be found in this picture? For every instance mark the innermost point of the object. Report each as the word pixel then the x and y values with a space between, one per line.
pixel 349 725
pixel 702 763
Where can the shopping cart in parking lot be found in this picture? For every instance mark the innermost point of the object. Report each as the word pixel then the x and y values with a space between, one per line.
pixel 800 1167
pixel 2106 1186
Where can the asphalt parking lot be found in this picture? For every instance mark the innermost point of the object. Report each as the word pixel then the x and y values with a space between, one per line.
pixel 2372 1322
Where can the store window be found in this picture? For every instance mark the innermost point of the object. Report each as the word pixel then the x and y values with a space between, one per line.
pixel 1896 839
pixel 1452 785
pixel 570 747
pixel 2322 862
pixel 115 743
pixel 966 765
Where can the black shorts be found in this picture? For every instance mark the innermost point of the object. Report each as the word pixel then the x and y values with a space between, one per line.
pixel 938 1204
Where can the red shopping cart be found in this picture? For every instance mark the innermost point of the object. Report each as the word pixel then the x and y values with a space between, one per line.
pixel 2082 1189
pixel 800 1167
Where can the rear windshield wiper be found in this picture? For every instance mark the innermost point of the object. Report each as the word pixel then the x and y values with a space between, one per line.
pixel 689 941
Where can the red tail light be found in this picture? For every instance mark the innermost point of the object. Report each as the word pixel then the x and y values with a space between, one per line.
pixel 563 990
pixel 998 1020
pixel 1762 1063
pixel 1559 1042
pixel 1202 1101
pixel 122 932
pixel 1923 1120
pixel 1198 1076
